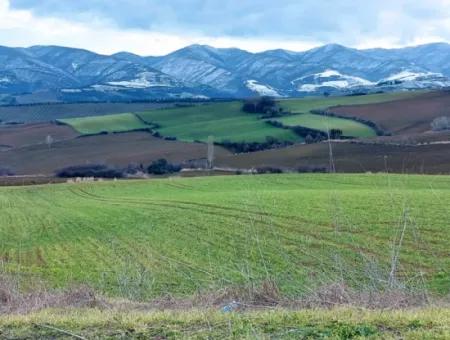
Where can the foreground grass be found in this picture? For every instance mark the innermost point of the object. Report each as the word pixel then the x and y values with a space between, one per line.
pixel 108 123
pixel 343 323
pixel 144 239
pixel 349 127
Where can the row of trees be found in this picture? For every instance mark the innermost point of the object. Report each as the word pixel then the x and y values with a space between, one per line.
pixel 158 167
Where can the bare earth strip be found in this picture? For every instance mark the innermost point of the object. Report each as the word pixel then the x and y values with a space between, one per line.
pixel 412 115
pixel 115 149
pixel 16 136
pixel 350 157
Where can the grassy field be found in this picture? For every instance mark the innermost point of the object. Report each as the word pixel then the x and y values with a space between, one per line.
pixel 109 123
pixel 50 112
pixel 324 123
pixel 146 239
pixel 305 105
pixel 279 324
pixel 224 121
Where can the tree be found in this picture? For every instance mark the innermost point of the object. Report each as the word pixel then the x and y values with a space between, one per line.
pixel 440 123
pixel 336 133
pixel 260 105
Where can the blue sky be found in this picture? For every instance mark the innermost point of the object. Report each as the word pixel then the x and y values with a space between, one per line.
pixel 158 27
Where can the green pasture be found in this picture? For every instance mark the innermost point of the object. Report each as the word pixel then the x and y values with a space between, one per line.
pixel 180 236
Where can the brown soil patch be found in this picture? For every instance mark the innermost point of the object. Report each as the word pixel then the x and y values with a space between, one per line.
pixel 114 149
pixel 350 157
pixel 412 115
pixel 16 136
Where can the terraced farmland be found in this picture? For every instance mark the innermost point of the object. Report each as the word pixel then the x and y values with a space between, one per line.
pixel 141 239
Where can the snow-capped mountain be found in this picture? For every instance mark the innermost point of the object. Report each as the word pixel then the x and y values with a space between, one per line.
pixel 203 71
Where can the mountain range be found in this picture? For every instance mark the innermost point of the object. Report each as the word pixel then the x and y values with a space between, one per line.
pixel 54 73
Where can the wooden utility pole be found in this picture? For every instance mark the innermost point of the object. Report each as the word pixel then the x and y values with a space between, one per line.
pixel 210 155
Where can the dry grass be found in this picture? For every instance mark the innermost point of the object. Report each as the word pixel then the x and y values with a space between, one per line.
pixel 14 299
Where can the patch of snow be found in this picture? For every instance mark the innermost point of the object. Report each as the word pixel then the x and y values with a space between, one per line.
pixel 145 80
pixel 308 88
pixel 329 78
pixel 75 66
pixel 71 91
pixel 193 96
pixel 340 84
pixel 328 73
pixel 105 88
pixel 408 76
pixel 261 89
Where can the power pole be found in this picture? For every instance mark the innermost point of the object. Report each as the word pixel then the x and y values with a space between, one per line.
pixel 210 155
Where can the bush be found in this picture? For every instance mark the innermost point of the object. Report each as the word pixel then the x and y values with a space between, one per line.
pixel 92 170
pixel 336 133
pixel 242 147
pixel 314 135
pixel 312 169
pixel 269 170
pixel 162 166
pixel 260 105
pixel 440 124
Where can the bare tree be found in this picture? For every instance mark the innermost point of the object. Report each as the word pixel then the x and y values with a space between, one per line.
pixel 440 123
pixel 49 141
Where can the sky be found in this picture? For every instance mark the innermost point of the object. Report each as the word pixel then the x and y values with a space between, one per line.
pixel 158 27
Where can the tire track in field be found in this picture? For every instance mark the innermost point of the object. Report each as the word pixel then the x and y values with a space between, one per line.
pixel 289 227
pixel 179 204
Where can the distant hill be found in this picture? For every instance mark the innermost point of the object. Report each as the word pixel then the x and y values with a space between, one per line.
pixel 54 73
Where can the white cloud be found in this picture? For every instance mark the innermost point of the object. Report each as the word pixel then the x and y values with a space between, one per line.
pixel 22 28
pixel 391 29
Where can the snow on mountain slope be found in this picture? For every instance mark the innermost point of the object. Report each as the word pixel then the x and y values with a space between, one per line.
pixel 328 79
pixel 145 80
pixel 261 89
pixel 410 79
pixel 216 72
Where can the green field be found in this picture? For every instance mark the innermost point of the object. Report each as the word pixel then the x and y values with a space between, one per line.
pixel 349 127
pixel 144 239
pixel 324 123
pixel 305 105
pixel 342 323
pixel 109 123
pixel 224 121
